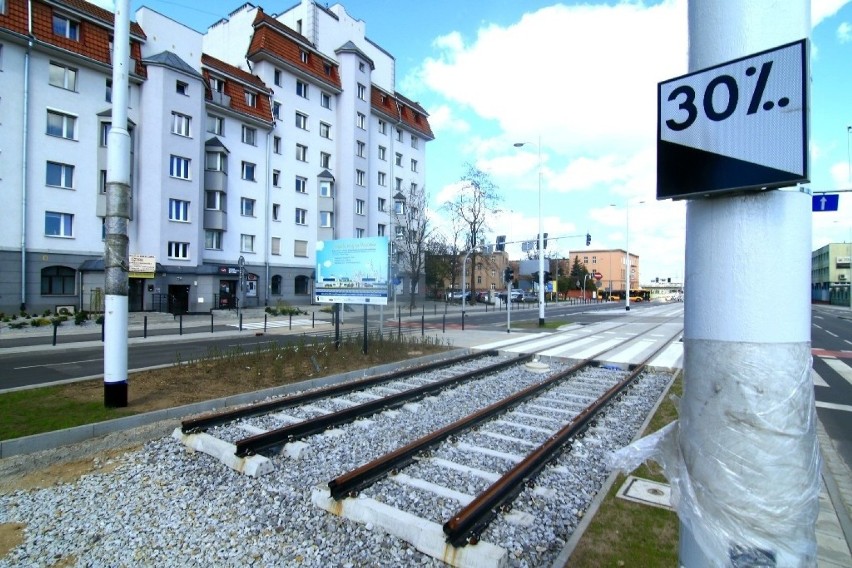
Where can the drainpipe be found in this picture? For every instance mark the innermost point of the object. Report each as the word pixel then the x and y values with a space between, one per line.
pixel 267 211
pixel 24 156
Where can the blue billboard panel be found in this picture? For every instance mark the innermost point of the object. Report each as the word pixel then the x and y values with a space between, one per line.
pixel 352 271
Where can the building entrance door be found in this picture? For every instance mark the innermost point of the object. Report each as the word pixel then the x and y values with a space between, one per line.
pixel 178 299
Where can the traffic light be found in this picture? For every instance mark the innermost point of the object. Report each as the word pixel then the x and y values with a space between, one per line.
pixel 588 239
pixel 508 274
pixel 544 238
pixel 547 277
pixel 501 243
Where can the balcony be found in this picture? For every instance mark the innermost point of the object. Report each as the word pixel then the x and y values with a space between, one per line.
pixel 215 180
pixel 221 99
pixel 215 220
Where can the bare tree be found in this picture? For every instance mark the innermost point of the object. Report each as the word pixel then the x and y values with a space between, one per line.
pixel 413 233
pixel 477 199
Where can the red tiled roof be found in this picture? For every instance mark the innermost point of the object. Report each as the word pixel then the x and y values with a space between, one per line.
pixel 398 107
pixel 94 38
pixel 235 88
pixel 273 37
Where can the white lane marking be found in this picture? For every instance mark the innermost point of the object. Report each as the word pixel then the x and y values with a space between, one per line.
pixel 818 381
pixel 832 406
pixel 831 334
pixel 59 364
pixel 840 368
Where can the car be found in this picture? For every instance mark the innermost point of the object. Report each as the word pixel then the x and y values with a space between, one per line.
pixel 456 296
pixel 529 298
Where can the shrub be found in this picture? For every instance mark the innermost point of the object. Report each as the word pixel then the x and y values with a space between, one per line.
pixel 46 313
pixel 38 322
pixel 100 320
pixel 81 317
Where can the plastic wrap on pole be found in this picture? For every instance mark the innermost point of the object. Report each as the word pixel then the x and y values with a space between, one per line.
pixel 748 424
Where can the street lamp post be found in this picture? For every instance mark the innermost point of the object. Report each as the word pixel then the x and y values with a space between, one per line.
pixel 540 240
pixel 626 251
pixel 848 153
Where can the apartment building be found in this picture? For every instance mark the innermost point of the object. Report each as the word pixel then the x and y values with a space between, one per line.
pixel 831 274
pixel 250 143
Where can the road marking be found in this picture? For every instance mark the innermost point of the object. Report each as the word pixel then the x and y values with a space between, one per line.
pixel 831 334
pixel 58 364
pixel 817 326
pixel 840 368
pixel 832 406
pixel 818 381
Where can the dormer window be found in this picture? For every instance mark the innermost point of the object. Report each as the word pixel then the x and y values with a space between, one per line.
pixel 66 27
pixel 251 99
pixel 217 85
pixel 304 56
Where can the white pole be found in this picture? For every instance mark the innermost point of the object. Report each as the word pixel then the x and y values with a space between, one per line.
pixel 627 253
pixel 749 486
pixel 540 247
pixel 117 215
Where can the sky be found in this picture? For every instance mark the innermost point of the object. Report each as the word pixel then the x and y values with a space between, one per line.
pixel 576 82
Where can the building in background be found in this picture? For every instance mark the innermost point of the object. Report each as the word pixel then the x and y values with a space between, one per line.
pixel 831 274
pixel 250 143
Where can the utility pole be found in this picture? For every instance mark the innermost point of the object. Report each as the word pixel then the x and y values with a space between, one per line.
pixel 117 214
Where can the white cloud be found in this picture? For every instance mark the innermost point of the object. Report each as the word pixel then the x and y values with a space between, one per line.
pixel 442 119
pixel 823 9
pixel 844 32
pixel 572 79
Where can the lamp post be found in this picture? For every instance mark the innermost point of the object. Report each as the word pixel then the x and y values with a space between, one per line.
pixel 540 239
pixel 626 251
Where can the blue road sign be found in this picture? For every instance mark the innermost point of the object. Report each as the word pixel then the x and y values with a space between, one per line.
pixel 825 202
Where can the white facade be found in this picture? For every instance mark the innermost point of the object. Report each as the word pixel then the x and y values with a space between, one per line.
pixel 240 150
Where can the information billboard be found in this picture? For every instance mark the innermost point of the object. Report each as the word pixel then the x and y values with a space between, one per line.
pixel 352 271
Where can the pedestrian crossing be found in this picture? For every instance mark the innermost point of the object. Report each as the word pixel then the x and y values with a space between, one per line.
pixel 843 370
pixel 300 322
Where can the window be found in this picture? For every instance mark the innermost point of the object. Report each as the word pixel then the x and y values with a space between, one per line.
pixel 383 127
pixel 276 212
pixel 304 56
pixel 178 210
pixel 108 91
pixel 275 246
pixel 327 68
pixel 359 233
pixel 64 27
pixel 301 216
pixel 301 121
pixel 362 92
pixel 301 185
pixel 325 100
pixel 413 187
pixel 382 179
pixel 398 159
pixel 248 171
pixel 326 189
pixel 326 219
pixel 249 135
pixel 399 134
pixel 276 285
pixel 325 130
pixel 179 167
pixel 300 248
pixel 247 207
pixel 213 240
pixel 359 206
pixel 105 128
pixel 383 153
pixel 276 110
pixel 415 141
pixel 60 175
pixel 216 162
pixel 251 98
pixel 57 280
pixel 325 160
pixel 594 260
pixel 361 120
pixel 413 165
pixel 383 204
pixel 180 124
pixel 214 200
pixel 276 178
pixel 399 207
pixel 360 147
pixel 302 89
pixel 58 224
pixel 381 230
pixel 276 144
pixel 301 152
pixel 102 181
pixel 179 251
pixel 359 177
pixel 361 66
pixel 246 243
pixel 276 77
pixel 215 124
pixel 217 85
pixel 61 125
pixel 62 76
pixel 182 88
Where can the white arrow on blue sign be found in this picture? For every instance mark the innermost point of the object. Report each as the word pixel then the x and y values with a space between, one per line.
pixel 825 202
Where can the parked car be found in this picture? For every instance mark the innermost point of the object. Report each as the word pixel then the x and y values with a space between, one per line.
pixel 529 298
pixel 456 296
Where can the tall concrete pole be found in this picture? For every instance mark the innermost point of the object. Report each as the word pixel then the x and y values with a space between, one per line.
pixel 750 485
pixel 117 214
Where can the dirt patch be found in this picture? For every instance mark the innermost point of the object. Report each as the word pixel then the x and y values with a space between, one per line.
pixel 11 535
